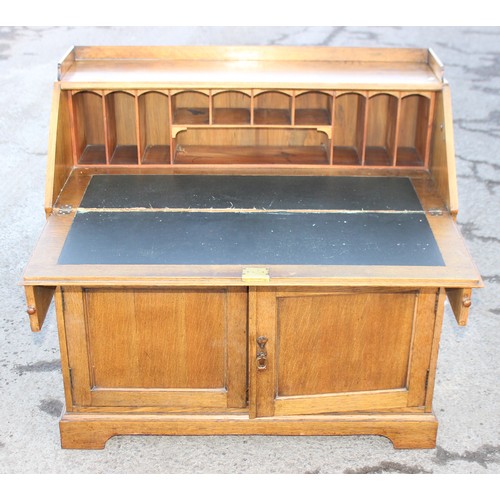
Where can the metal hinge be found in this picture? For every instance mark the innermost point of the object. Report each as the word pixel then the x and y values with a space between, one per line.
pixel 435 212
pixel 71 378
pixel 64 210
pixel 255 275
pixel 427 379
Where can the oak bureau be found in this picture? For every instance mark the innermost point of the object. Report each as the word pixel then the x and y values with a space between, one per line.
pixel 250 240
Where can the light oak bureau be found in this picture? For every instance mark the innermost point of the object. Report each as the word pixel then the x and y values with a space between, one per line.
pixel 250 240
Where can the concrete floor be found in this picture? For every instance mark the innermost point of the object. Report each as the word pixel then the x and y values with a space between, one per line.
pixel 467 389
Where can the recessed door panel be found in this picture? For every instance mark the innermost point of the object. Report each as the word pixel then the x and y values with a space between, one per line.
pixel 163 347
pixel 340 350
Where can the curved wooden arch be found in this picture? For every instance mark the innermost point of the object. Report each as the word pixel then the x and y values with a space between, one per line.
pixel 128 92
pixel 273 91
pixel 426 95
pixel 153 91
pixel 328 93
pixel 248 93
pixel 87 91
pixel 372 95
pixel 177 92
pixel 340 93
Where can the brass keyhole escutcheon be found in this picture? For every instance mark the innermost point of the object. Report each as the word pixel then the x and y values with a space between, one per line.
pixel 262 353
pixel 261 342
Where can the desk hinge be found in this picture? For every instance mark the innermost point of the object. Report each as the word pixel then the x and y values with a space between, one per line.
pixel 255 275
pixel 64 210
pixel 435 212
pixel 427 379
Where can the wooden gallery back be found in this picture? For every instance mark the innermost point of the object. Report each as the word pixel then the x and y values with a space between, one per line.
pixel 250 240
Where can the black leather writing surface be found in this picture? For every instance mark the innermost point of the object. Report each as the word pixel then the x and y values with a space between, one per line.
pixel 261 192
pixel 391 239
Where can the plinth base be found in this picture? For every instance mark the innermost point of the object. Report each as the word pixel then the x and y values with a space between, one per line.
pixel 92 430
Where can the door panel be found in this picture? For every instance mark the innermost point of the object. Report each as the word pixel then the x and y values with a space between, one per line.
pixel 158 339
pixel 160 347
pixel 343 344
pixel 341 350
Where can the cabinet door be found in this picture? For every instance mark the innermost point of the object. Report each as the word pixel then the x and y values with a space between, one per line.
pixel 174 348
pixel 319 351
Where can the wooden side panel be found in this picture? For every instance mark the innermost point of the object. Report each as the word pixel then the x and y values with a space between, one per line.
pixel 59 155
pixel 442 157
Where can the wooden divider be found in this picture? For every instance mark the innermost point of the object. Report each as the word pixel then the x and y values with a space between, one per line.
pixel 364 129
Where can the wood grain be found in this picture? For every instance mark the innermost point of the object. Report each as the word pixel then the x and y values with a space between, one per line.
pixel 460 302
pixel 258 67
pixel 84 431
pixel 60 150
pixel 442 156
pixel 38 300
pixel 324 348
pixel 150 347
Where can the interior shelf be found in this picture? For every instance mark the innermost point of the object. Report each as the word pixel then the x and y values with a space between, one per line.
pixel 349 126
pixel 252 146
pixel 89 128
pixel 413 130
pixel 154 126
pixel 156 155
pixel 213 155
pixel 353 128
pixel 313 108
pixel 122 130
pixel 93 155
pixel 231 108
pixel 381 130
pixel 272 108
pixel 190 108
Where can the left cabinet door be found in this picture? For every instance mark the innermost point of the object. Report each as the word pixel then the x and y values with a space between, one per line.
pixel 172 348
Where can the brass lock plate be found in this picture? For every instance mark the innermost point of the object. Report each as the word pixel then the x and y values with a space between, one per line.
pixel 255 275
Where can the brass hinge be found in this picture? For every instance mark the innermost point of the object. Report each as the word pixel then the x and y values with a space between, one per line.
pixel 427 379
pixel 71 378
pixel 255 275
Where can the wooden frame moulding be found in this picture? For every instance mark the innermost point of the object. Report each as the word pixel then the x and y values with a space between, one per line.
pixel 409 68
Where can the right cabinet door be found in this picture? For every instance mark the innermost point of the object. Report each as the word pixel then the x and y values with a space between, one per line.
pixel 316 351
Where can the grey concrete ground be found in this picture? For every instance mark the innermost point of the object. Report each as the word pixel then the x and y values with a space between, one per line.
pixel 467 390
